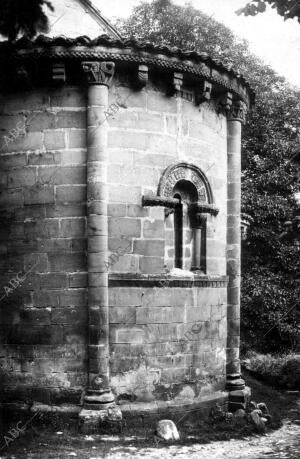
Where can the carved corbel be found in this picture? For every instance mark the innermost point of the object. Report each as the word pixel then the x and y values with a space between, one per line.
pixel 23 76
pixel 176 84
pixel 238 111
pixel 204 93
pixel 59 72
pixel 225 103
pixel 143 76
pixel 99 72
pixel 177 81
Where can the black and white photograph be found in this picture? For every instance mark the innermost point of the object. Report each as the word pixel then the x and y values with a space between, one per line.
pixel 150 229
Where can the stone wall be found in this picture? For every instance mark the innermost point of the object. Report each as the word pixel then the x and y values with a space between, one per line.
pixel 154 352
pixel 167 342
pixel 153 132
pixel 43 238
pixel 43 243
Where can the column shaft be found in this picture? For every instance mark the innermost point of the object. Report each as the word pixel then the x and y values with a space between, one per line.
pixel 233 251
pixel 99 75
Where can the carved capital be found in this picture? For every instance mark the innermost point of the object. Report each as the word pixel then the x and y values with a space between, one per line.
pixel 99 72
pixel 143 75
pixel 198 219
pixel 238 112
pixel 204 94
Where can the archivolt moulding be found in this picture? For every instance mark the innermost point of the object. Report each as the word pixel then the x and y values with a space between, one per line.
pixel 188 172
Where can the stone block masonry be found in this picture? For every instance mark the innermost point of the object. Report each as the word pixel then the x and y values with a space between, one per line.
pixel 120 249
pixel 145 136
pixel 43 202
pixel 154 344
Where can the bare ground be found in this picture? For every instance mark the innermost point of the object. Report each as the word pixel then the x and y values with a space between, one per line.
pixel 199 439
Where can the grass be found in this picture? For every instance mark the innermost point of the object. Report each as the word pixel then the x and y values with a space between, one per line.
pixel 282 372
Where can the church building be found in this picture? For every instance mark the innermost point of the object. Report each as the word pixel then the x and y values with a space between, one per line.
pixel 120 223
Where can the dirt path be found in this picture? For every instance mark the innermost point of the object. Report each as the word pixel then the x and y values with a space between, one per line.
pixel 202 440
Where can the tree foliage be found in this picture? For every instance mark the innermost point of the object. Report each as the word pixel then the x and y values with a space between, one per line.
pixel 23 17
pixel 289 9
pixel 270 295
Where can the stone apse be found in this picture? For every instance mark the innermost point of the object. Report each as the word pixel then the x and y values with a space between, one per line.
pixel 120 242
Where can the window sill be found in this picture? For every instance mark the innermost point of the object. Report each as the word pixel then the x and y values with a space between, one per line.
pixel 166 280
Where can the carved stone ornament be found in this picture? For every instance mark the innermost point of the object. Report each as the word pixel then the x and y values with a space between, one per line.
pixel 204 94
pixel 177 81
pixel 187 172
pixel 99 72
pixel 142 75
pixel 225 103
pixel 59 72
pixel 198 219
pixel 238 112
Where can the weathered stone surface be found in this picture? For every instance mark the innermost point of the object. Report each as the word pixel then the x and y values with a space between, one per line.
pixel 263 408
pixel 167 430
pixel 257 421
pixel 162 334
pixel 240 417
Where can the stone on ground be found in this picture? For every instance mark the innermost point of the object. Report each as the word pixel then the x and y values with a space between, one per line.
pixel 263 408
pixel 257 421
pixel 167 430
pixel 240 413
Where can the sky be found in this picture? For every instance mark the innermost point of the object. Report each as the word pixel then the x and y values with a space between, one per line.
pixel 276 41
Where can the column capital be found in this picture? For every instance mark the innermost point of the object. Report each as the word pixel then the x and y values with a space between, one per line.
pixel 198 219
pixel 100 73
pixel 238 112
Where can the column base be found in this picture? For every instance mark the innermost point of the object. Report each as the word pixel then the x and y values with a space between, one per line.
pixel 98 400
pixel 234 381
pixel 100 420
pixel 239 399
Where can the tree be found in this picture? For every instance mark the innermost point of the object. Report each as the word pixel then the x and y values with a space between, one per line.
pixel 269 180
pixel 289 9
pixel 23 17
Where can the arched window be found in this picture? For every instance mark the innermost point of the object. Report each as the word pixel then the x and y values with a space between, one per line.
pixel 186 225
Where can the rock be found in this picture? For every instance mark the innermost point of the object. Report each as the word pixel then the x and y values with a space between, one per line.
pixel 228 417
pixel 263 408
pixel 114 414
pixel 167 430
pixel 252 405
pixel 240 414
pixel 217 414
pixel 240 417
pixel 257 421
pixel 268 417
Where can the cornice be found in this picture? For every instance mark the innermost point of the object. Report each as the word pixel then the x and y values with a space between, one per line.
pixel 190 63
